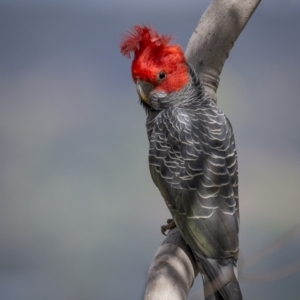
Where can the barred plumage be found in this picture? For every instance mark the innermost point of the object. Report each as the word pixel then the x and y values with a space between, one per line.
pixel 192 157
pixel 193 162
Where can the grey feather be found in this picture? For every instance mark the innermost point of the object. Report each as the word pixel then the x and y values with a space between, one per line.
pixel 193 162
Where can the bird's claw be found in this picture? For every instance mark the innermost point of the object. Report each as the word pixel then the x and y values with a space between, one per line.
pixel 170 225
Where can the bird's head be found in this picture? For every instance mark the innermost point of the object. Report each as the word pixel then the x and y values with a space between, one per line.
pixel 158 68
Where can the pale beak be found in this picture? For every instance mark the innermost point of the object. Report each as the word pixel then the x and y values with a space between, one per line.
pixel 144 88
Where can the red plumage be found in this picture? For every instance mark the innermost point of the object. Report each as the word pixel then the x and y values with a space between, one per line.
pixel 153 54
pixel 139 38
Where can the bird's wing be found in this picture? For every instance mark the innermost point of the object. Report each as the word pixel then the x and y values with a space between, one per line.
pixel 193 162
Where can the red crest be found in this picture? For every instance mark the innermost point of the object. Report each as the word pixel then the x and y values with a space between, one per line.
pixel 141 37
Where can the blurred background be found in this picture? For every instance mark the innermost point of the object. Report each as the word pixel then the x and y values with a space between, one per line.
pixel 80 217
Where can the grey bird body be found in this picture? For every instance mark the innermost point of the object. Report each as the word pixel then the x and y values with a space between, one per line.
pixel 193 162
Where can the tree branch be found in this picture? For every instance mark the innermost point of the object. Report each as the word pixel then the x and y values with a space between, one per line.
pixel 173 269
pixel 214 37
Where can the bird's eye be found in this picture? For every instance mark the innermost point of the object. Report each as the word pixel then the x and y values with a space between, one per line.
pixel 161 75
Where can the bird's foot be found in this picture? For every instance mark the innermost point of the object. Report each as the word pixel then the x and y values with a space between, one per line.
pixel 170 225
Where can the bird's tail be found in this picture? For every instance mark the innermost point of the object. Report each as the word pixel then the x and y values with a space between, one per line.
pixel 219 279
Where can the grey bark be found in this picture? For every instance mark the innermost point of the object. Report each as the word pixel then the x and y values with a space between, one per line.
pixel 172 271
pixel 214 37
pixel 173 268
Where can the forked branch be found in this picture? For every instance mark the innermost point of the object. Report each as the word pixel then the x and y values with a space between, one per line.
pixel 173 268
